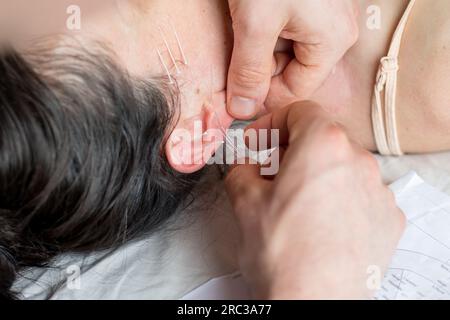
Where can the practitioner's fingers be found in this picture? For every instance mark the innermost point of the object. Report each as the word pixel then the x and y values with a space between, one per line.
pixel 251 65
pixel 271 166
pixel 289 123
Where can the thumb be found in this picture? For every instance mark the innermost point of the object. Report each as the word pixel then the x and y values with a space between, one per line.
pixel 251 64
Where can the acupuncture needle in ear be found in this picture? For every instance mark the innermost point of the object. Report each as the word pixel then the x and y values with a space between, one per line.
pixel 228 141
pixel 166 44
pixel 222 129
pixel 216 116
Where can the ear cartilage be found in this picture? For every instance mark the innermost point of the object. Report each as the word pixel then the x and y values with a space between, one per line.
pixel 165 67
pixel 223 130
pixel 179 43
pixel 228 144
pixel 166 44
pixel 228 141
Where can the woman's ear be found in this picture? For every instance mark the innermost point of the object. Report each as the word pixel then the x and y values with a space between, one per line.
pixel 194 141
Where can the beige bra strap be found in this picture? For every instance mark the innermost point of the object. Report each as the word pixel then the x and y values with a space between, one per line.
pixel 387 138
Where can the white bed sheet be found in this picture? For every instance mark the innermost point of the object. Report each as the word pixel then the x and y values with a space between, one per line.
pixel 201 245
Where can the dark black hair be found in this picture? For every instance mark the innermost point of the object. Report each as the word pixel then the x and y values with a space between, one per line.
pixel 81 160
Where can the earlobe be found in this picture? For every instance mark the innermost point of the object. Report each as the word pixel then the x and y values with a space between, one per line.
pixel 195 140
pixel 185 148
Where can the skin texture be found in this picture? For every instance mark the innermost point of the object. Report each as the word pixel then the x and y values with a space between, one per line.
pixel 294 245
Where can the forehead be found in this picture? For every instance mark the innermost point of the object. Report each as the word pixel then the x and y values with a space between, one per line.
pixel 23 19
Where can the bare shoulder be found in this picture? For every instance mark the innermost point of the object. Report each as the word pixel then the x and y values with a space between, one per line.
pixel 435 24
pixel 434 47
pixel 427 39
pixel 424 86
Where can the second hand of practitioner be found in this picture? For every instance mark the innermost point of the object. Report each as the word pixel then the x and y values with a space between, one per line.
pixel 314 230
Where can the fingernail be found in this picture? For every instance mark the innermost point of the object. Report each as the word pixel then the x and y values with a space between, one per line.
pixel 242 107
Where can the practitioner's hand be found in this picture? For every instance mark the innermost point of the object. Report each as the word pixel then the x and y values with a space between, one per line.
pixel 316 229
pixel 321 31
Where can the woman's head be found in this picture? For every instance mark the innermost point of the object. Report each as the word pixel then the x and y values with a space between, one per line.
pixel 87 159
pixel 82 163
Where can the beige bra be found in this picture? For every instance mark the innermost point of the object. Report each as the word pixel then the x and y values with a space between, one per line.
pixel 384 121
